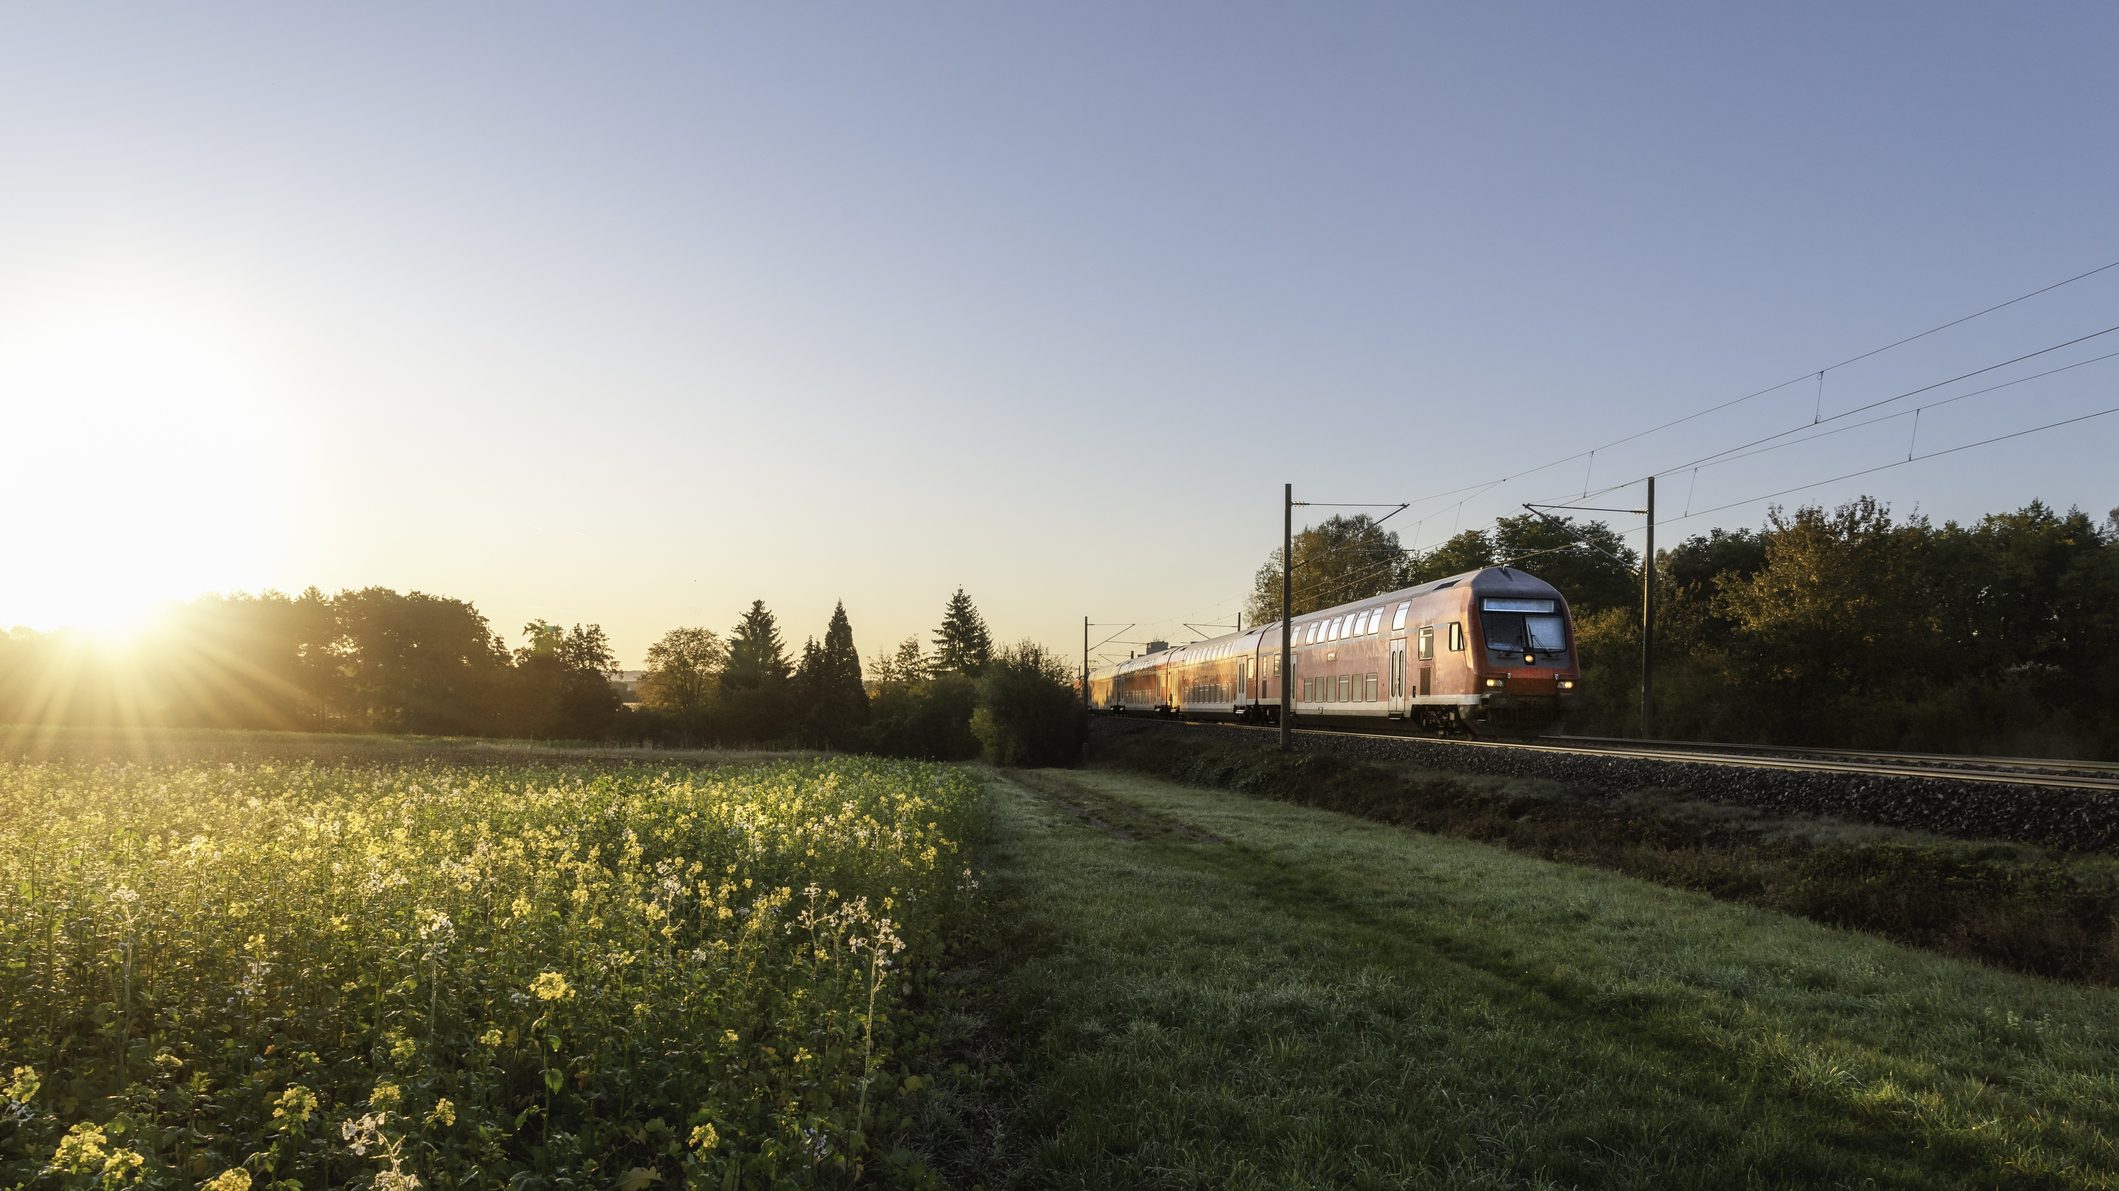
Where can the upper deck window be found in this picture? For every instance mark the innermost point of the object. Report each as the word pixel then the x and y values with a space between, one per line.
pixel 1398 621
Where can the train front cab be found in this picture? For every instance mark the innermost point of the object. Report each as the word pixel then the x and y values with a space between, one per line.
pixel 1522 662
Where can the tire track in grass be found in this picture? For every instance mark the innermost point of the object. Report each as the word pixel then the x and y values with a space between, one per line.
pixel 1666 1040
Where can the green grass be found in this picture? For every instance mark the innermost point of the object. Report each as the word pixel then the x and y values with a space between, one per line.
pixel 2014 905
pixel 1198 989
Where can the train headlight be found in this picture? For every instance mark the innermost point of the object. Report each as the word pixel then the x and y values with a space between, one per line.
pixel 1495 684
pixel 1567 684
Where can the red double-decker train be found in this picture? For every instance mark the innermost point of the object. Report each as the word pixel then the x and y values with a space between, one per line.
pixel 1488 649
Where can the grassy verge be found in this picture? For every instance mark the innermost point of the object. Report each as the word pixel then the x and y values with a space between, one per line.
pixel 2012 905
pixel 1206 990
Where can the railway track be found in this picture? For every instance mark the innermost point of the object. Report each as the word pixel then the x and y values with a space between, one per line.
pixel 2093 774
pixel 2033 772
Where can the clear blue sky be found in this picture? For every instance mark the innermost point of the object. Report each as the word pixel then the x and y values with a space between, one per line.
pixel 636 314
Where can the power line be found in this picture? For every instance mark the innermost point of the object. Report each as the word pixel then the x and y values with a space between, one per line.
pixel 1716 461
pixel 1807 375
pixel 1705 459
pixel 1902 462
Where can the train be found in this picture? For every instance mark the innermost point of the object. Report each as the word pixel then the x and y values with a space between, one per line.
pixel 1490 650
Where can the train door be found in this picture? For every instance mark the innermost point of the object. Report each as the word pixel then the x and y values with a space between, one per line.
pixel 1398 677
pixel 1243 683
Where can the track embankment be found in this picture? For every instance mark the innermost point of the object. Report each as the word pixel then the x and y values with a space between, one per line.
pixel 1964 807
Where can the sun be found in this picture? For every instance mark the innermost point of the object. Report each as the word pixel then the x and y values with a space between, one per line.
pixel 145 459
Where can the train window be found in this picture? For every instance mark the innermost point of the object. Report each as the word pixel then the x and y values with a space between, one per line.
pixel 1375 620
pixel 1427 643
pixel 1372 687
pixel 1346 683
pixel 1398 621
pixel 1456 636
pixel 1517 632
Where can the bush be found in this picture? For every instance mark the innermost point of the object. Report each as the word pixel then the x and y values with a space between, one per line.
pixel 1030 713
pixel 928 720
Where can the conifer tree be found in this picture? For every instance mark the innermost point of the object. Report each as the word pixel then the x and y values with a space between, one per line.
pixel 961 644
pixel 754 684
pixel 756 657
pixel 835 705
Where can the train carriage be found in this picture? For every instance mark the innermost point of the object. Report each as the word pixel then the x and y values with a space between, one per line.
pixel 1492 648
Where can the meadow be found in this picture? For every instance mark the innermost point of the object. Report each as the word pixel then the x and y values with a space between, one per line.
pixel 262 972
pixel 1200 989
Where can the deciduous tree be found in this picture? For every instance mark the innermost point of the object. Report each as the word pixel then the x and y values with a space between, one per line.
pixel 1338 560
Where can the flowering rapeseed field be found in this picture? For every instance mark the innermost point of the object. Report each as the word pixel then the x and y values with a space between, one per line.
pixel 259 975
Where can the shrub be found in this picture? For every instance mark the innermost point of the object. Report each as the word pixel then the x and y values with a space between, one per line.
pixel 1029 711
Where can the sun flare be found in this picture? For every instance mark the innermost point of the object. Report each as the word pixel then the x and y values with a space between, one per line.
pixel 145 459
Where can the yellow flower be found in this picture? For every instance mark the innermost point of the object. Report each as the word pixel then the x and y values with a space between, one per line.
pixel 490 1038
pixel 234 1179
pixel 704 1138
pixel 730 1036
pixel 386 1095
pixel 295 1104
pixel 551 986
pixel 81 1149
pixel 444 1112
pixel 121 1167
pixel 23 1087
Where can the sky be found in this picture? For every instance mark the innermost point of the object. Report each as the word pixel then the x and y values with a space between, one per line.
pixel 635 314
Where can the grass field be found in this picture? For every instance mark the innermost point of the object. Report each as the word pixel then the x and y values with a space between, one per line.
pixel 1205 990
pixel 432 964
pixel 548 974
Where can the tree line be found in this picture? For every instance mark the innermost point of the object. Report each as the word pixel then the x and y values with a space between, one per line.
pixel 1844 626
pixel 377 660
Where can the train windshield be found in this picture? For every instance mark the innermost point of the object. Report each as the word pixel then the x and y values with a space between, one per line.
pixel 1517 633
